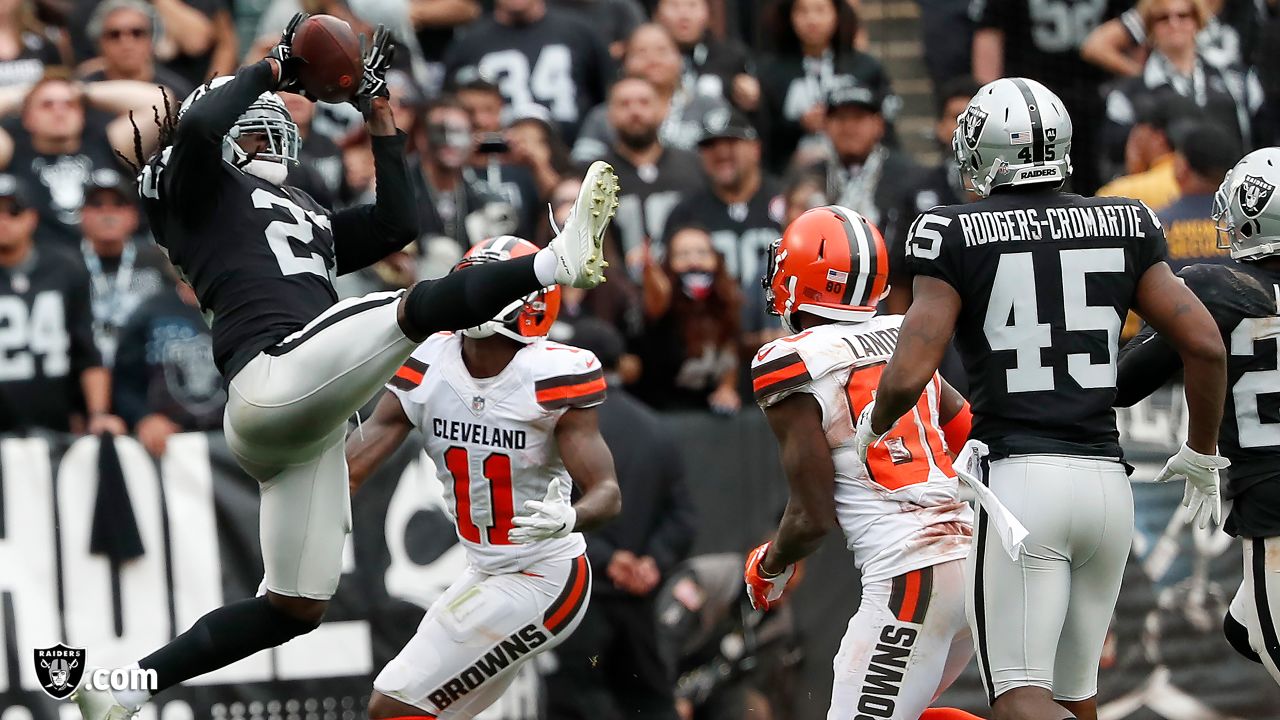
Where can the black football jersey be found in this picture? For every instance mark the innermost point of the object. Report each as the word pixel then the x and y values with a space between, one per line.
pixel 1045 280
pixel 46 340
pixel 1243 299
pixel 558 62
pixel 649 193
pixel 1042 38
pixel 262 263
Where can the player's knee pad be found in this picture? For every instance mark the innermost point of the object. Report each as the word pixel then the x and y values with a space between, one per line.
pixel 1238 635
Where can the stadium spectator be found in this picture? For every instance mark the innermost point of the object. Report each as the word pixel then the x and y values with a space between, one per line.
pixel 56 143
pixel 452 203
pixel 741 207
pixel 481 99
pixel 692 335
pixel 1148 149
pixel 615 20
pixel 863 173
pixel 123 31
pixel 653 177
pixel 805 191
pixel 523 44
pixel 1204 153
pixel 54 378
pixel 535 144
pixel 651 54
pixel 164 380
pixel 1267 65
pixel 436 22
pixel 1228 39
pixel 27 46
pixel 1230 97
pixel 123 270
pixel 1040 39
pixel 939 185
pixel 812 51
pixel 358 175
pixel 711 66
pixel 319 171
pixel 185 47
pixel 616 302
pixel 612 666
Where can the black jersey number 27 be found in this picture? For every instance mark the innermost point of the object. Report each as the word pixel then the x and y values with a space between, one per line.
pixel 302 229
pixel 1013 319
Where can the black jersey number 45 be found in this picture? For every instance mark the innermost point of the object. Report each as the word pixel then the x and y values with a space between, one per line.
pixel 1013 320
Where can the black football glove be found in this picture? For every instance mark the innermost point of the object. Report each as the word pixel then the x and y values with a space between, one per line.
pixel 289 65
pixel 377 61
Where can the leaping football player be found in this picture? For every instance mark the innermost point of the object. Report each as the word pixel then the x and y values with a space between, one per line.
pixel 899 509
pixel 508 420
pixel 298 363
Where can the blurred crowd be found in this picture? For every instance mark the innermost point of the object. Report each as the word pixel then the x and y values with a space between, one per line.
pixel 724 119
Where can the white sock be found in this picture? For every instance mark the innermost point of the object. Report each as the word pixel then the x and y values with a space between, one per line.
pixel 544 266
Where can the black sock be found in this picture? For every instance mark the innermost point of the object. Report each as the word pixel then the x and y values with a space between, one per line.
pixel 469 297
pixel 221 637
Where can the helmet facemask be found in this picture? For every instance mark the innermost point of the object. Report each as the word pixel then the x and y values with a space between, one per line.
pixel 270 119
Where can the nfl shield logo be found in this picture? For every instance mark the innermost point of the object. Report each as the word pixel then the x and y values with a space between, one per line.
pixel 1255 193
pixel 59 669
pixel 971 124
pixel 477 404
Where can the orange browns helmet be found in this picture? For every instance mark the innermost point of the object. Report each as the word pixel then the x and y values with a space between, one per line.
pixel 524 320
pixel 830 262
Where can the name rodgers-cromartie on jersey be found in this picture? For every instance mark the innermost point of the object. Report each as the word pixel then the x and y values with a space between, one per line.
pixel 1053 223
pixel 478 434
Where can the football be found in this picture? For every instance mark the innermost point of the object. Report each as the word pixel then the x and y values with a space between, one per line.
pixel 331 51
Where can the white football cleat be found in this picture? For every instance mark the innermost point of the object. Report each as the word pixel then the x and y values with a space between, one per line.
pixel 98 704
pixel 579 246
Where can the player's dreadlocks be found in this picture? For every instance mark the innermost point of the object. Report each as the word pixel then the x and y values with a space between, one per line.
pixel 168 125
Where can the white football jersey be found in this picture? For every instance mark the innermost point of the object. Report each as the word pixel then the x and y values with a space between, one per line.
pixel 901 510
pixel 493 439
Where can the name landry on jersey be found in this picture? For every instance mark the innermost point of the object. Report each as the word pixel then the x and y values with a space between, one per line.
pixel 1055 223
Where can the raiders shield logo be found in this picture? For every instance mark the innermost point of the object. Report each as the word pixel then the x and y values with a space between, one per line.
pixel 59 669
pixel 477 404
pixel 971 124
pixel 1051 135
pixel 1254 194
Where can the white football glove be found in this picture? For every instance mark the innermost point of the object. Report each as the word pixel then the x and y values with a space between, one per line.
pixel 552 517
pixel 863 437
pixel 1202 494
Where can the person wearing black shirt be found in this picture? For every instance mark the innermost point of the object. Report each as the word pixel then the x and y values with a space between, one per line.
pixel 712 67
pixel 811 52
pixel 654 178
pixel 319 172
pixel 741 206
pixel 123 270
pixel 261 258
pixel 164 379
pixel 61 137
pixel 189 31
pixel 537 55
pixel 30 50
pixel 51 375
pixel 612 665
pixel 123 31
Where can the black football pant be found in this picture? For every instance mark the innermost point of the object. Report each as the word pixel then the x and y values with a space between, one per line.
pixel 611 667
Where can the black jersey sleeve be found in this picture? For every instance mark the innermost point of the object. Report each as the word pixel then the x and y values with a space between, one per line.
pixel 196 156
pixel 934 247
pixel 1148 361
pixel 365 234
pixel 1151 248
pixel 989 14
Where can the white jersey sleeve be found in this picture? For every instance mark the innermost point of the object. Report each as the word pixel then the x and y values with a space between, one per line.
pixel 566 377
pixel 407 383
